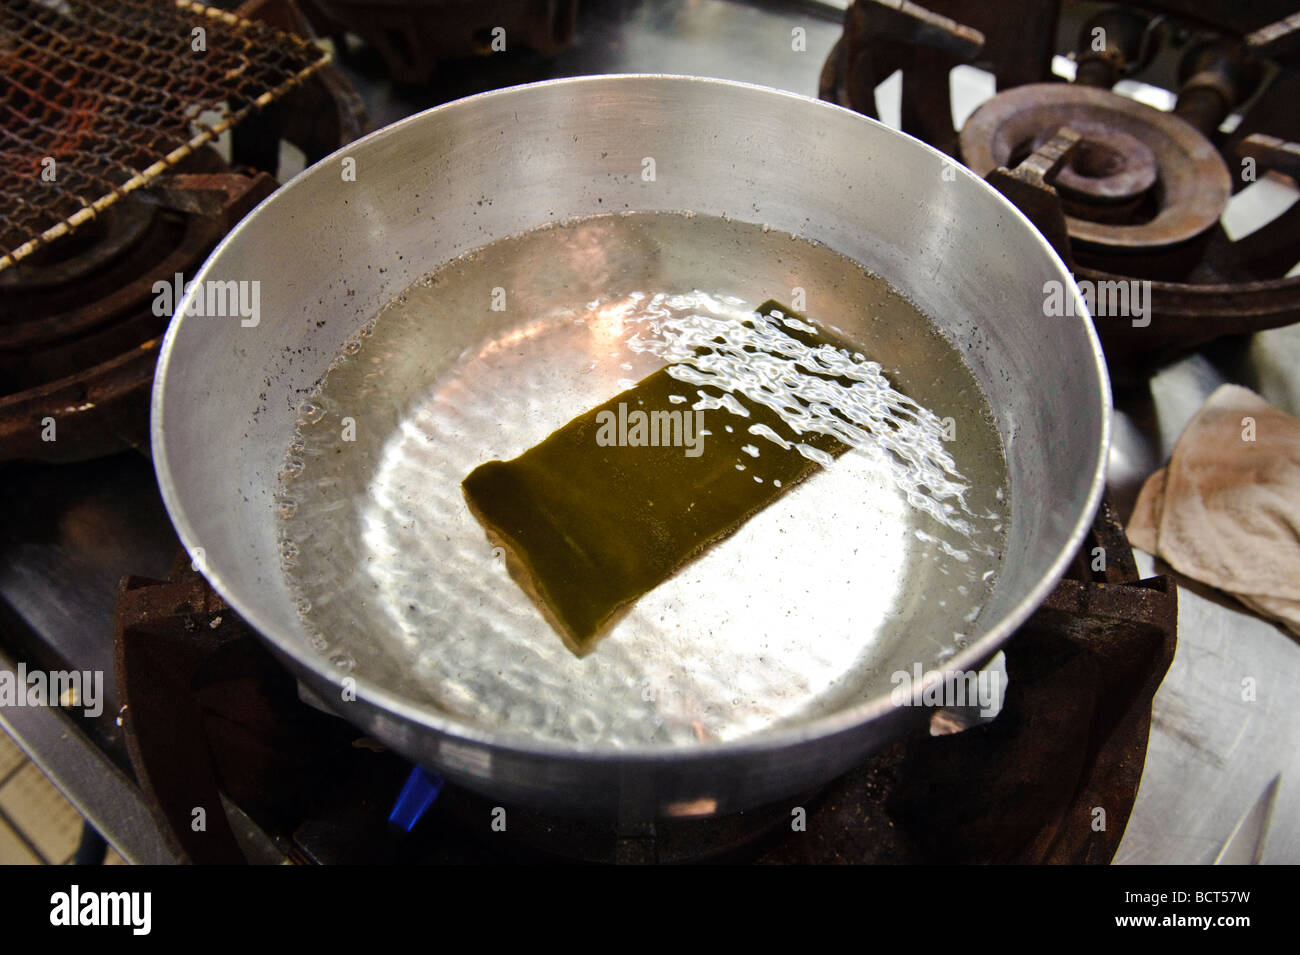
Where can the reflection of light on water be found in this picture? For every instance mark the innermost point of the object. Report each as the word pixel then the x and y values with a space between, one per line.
pixel 379 513
pixel 719 342
pixel 793 614
pixel 606 325
pixel 413 527
pixel 514 337
pixel 493 658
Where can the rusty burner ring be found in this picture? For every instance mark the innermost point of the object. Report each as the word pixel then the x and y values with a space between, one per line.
pixel 1108 166
pixel 1132 153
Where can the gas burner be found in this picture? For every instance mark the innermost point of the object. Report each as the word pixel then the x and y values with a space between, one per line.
pixel 80 254
pixel 79 331
pixel 1140 195
pixel 1109 185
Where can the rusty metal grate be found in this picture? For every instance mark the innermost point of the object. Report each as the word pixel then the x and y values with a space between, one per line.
pixel 100 97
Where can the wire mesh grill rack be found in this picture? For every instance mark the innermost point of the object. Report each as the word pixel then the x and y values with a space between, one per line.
pixel 98 98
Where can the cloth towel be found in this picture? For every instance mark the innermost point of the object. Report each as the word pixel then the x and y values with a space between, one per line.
pixel 1226 510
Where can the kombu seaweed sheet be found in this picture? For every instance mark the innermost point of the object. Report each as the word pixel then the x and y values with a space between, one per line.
pixel 588 528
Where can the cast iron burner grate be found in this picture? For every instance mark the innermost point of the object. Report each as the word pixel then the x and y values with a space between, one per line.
pixel 1139 195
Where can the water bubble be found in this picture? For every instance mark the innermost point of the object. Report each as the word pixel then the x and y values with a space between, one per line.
pixel 586 726
pixel 309 412
pixel 344 661
pixel 287 507
pixel 292 468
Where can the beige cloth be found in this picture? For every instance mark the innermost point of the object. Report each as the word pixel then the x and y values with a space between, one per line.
pixel 1226 511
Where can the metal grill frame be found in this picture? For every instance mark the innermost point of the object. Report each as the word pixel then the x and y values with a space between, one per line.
pixel 207 132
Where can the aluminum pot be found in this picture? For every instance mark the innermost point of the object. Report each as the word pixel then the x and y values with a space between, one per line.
pixel 227 388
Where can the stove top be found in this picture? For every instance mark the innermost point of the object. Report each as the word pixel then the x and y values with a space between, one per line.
pixel 1143 193
pixel 89 577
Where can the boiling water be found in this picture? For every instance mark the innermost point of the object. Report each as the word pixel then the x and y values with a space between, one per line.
pixel 881 560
